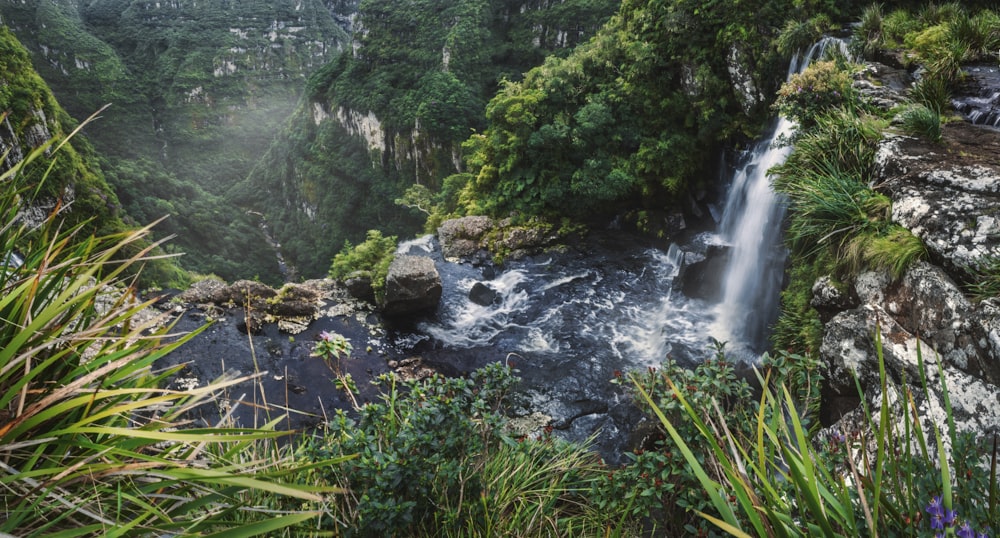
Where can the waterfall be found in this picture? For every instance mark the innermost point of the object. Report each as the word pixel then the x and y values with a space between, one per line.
pixel 752 225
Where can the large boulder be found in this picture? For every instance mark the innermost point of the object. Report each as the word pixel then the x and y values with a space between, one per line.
pixel 946 193
pixel 469 238
pixel 412 286
pixel 850 352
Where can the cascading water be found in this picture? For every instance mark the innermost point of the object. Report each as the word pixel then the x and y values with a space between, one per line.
pixel 571 321
pixel 751 226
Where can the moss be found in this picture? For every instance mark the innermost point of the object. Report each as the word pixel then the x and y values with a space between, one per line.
pixel 799 328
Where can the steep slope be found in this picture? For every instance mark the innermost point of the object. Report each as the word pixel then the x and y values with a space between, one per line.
pixel 70 180
pixel 395 111
pixel 198 91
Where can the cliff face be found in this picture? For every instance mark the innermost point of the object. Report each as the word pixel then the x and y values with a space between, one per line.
pixel 198 91
pixel 394 109
pixel 946 193
pixel 30 118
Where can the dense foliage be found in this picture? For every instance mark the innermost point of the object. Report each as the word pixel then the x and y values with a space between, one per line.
pixel 92 444
pixel 433 459
pixel 417 87
pixel 198 91
pixel 370 259
pixel 635 116
pixel 70 180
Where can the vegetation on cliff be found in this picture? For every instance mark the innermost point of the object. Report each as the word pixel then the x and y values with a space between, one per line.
pixel 394 111
pixel 68 181
pixel 197 92
pixel 89 439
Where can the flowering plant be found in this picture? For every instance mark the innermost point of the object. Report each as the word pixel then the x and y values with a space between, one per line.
pixel 330 347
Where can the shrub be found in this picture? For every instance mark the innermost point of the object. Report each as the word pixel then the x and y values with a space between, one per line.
pixel 658 483
pixel 817 90
pixel 433 462
pixel 868 38
pixel 896 26
pixel 800 35
pixel 371 259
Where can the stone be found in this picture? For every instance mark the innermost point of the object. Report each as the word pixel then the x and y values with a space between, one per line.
pixel 463 237
pixel 828 297
pixel 947 193
pixel 412 286
pixel 849 350
pixel 483 295
pixel 359 285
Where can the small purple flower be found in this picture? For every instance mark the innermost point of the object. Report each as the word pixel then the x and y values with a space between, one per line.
pixel 326 336
pixel 965 531
pixel 936 511
pixel 982 535
pixel 949 517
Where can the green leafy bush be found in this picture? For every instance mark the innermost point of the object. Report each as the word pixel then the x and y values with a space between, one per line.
pixel 658 483
pixel 821 88
pixel 371 259
pixel 432 461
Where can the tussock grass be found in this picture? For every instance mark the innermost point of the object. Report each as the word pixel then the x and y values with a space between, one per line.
pixel 91 444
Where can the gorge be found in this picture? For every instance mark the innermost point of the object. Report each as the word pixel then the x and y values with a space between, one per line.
pixel 593 221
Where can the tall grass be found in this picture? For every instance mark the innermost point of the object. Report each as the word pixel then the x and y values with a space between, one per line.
pixel 893 479
pixel 90 444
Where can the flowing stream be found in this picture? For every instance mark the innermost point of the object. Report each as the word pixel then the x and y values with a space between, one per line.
pixel 572 321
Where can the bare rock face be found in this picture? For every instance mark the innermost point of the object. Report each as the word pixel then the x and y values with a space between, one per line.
pixel 848 347
pixel 413 285
pixel 948 193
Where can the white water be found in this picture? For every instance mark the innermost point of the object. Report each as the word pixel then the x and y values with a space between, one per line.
pixel 751 226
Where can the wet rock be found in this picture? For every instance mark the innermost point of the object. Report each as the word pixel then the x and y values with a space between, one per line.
pixel 882 85
pixel 359 285
pixel 483 295
pixel 251 324
pixel 412 286
pixel 411 369
pixel 702 279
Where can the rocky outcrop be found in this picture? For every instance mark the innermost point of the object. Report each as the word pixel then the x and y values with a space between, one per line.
pixel 480 238
pixel 292 307
pixel 412 286
pixel 463 237
pixel 947 193
pixel 849 350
